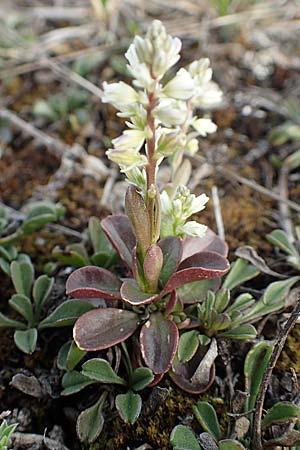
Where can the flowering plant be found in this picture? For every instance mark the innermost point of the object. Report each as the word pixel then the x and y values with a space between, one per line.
pixel 160 248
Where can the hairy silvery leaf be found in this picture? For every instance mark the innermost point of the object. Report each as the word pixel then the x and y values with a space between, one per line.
pixel 240 272
pixel 249 254
pixel 25 340
pixel 100 370
pixel 22 274
pixel 41 291
pixel 159 341
pixel 119 231
pixel 254 368
pixel 206 416
pixel 141 378
pixel 41 213
pixel 103 328
pixel 246 331
pixel 91 282
pixel 66 314
pixel 69 356
pixel 129 406
pixel 5 322
pixel 74 382
pixel 90 422
pixel 182 438
pixel 281 412
pixel 22 304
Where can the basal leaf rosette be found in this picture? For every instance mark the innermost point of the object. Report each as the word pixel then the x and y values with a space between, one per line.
pixel 146 304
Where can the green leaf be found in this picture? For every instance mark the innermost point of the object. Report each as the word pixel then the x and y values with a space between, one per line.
pixel 100 370
pixel 74 382
pixel 206 416
pixel 278 291
pixel 240 272
pixel 41 290
pixel 98 238
pixel 90 422
pixel 66 314
pixel 182 438
pixel 5 322
pixel 41 213
pixel 42 109
pixel 280 239
pixel 230 444
pixel 5 266
pixel 129 406
pixel 22 304
pixel 188 345
pixel 74 255
pixel 246 331
pixel 141 377
pixel 281 412
pixel 26 340
pixel 254 368
pixel 196 290
pixel 69 356
pixel 22 274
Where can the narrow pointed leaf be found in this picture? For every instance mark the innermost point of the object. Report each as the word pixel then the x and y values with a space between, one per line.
pixel 100 370
pixel 22 305
pixel 90 422
pixel 91 282
pixel 5 322
pixel 22 274
pixel 159 341
pixel 172 252
pixel 280 239
pixel 41 290
pixel 66 314
pixel 25 340
pixel 201 266
pixel 206 416
pixel 188 345
pixel 74 382
pixel 254 368
pixel 240 272
pixel 103 328
pixel 277 292
pixel 119 231
pixel 246 331
pixel 131 293
pixel 152 265
pixel 182 438
pixel 281 412
pixel 129 406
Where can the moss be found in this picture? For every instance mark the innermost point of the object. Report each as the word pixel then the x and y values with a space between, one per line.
pixel 290 356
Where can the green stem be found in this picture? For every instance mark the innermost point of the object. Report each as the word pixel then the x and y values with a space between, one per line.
pixel 127 362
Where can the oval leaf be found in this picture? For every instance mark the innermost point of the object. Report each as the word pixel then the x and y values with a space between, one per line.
pixel 90 422
pixel 182 438
pixel 100 370
pixel 230 444
pixel 159 340
pixel 74 382
pixel 188 345
pixel 172 252
pixel 66 314
pixel 22 274
pixel 91 282
pixel 131 293
pixel 141 378
pixel 23 306
pixel 26 340
pixel 206 416
pixel 281 412
pixel 246 331
pixel 210 242
pixel 103 328
pixel 129 406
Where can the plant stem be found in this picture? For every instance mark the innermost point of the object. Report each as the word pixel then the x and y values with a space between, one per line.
pixel 151 167
pixel 127 361
pixel 279 344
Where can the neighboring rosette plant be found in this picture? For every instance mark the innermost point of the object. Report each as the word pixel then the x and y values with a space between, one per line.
pixel 161 250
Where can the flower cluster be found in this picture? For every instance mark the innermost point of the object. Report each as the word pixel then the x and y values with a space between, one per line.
pixel 161 124
pixel 177 209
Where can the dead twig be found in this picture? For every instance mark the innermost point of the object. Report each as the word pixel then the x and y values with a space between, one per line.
pixel 28 440
pixel 279 344
pixel 218 213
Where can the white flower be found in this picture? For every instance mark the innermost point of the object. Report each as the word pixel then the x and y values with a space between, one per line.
pixel 181 87
pixel 127 159
pixel 200 71
pixel 204 126
pixel 207 92
pixel 192 146
pixel 197 203
pixel 170 112
pixel 137 177
pixel 194 228
pixel 130 139
pixel 119 94
pixel 166 204
pixel 138 69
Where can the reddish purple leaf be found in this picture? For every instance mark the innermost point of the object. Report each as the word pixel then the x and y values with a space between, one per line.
pixel 172 253
pixel 173 301
pixel 139 217
pixel 104 328
pixel 159 341
pixel 131 293
pixel 186 385
pixel 210 242
pixel 157 378
pixel 119 231
pixel 93 282
pixel 152 265
pixel 201 266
